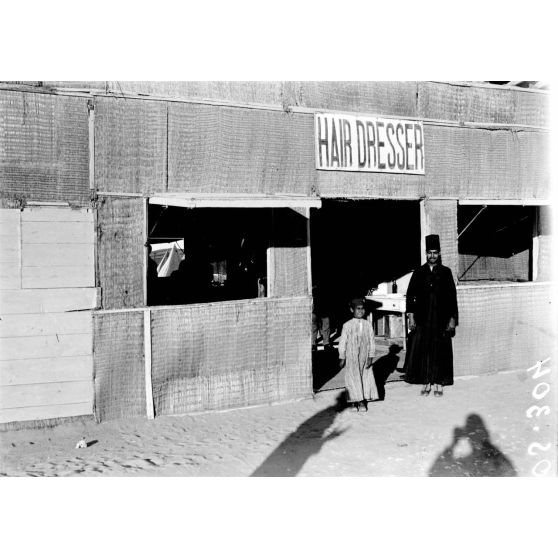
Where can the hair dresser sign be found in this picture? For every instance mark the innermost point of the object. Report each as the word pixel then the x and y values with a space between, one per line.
pixel 368 144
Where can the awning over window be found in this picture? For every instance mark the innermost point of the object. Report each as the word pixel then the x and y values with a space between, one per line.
pixel 504 202
pixel 235 200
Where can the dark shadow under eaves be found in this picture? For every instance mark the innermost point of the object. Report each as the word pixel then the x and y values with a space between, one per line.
pixel 289 456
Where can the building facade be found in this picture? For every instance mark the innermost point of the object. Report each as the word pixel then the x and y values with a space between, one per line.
pixel 91 173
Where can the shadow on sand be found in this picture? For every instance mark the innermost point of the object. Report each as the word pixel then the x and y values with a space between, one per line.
pixel 325 366
pixel 289 456
pixel 483 459
pixel 383 368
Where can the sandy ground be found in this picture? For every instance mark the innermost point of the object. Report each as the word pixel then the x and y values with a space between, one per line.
pixel 405 435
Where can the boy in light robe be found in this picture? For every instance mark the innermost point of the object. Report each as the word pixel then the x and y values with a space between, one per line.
pixel 356 350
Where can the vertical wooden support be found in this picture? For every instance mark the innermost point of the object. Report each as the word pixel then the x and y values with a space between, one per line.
pixel 145 251
pixel 308 250
pixel 91 112
pixel 147 351
pixel 271 258
pixel 534 271
pixel 424 228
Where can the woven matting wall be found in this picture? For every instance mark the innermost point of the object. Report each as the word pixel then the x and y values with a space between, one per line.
pixel 513 268
pixel 441 219
pixel 221 149
pixel 463 103
pixel 486 164
pixel 381 97
pixel 44 148
pixel 545 259
pixel 130 145
pixel 544 264
pixel 227 149
pixel 230 354
pixel 462 163
pixel 444 101
pixel 118 365
pixel 290 253
pixel 245 92
pixel 507 327
pixel 120 251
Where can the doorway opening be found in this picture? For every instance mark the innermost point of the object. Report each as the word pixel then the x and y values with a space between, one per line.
pixel 361 248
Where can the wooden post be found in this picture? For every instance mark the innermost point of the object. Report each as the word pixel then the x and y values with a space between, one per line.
pixel 147 351
pixel 308 250
pixel 424 230
pixel 271 258
pixel 91 111
pixel 535 248
pixel 145 251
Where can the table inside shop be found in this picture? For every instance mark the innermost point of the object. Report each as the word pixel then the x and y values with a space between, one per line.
pixel 391 303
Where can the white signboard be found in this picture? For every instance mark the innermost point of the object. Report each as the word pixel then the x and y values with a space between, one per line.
pixel 368 144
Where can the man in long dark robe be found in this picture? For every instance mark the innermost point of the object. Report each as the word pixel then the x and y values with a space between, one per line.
pixel 433 316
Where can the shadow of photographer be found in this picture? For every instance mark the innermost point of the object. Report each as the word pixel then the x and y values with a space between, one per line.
pixel 483 460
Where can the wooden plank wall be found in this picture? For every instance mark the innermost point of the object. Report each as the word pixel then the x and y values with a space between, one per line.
pixel 46 339
pixel 44 146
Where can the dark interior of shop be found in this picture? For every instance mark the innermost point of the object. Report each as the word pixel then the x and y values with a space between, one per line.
pixel 495 242
pixel 224 255
pixel 358 244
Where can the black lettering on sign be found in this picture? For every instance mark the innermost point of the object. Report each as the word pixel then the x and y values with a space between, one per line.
pixel 401 152
pixel 391 156
pixel 361 147
pixel 419 148
pixel 334 146
pixel 347 143
pixel 379 126
pixel 370 143
pixel 322 141
pixel 341 138
pixel 408 145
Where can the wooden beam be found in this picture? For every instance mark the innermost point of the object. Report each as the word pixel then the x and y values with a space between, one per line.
pixel 64 214
pixel 91 122
pixel 308 250
pixel 149 407
pixel 504 202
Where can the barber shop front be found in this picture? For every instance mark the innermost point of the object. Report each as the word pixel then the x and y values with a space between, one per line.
pixel 211 211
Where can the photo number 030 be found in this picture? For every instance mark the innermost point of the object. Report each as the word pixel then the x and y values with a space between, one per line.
pixel 541 390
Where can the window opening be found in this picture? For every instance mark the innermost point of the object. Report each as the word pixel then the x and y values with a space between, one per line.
pixel 206 254
pixel 495 243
